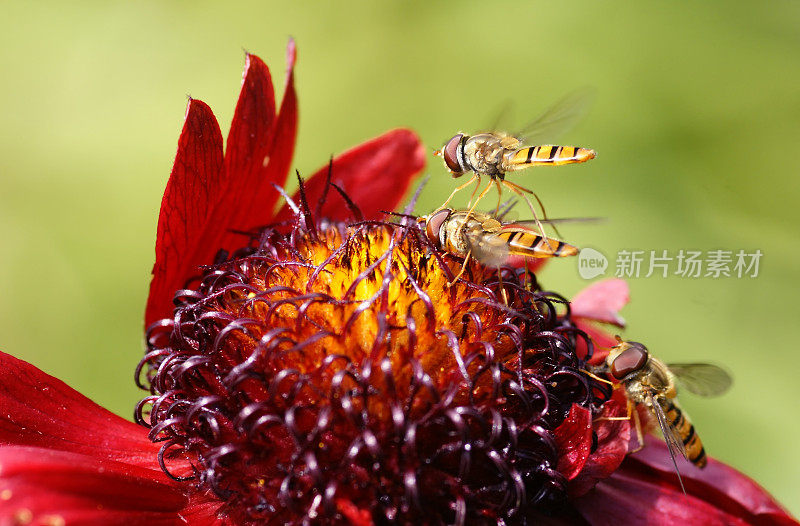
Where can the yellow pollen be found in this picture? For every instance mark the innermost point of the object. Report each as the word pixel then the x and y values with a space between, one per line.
pixel 356 298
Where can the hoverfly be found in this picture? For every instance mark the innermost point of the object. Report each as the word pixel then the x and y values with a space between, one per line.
pixel 495 153
pixel 488 240
pixel 649 382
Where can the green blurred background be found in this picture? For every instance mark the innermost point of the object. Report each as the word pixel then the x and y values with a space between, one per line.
pixel 696 121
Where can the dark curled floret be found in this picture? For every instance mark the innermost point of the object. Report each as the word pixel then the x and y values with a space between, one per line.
pixel 326 367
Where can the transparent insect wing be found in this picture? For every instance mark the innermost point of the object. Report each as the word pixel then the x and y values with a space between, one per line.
pixel 501 116
pixel 487 248
pixel 703 379
pixel 671 437
pixel 559 118
pixel 534 226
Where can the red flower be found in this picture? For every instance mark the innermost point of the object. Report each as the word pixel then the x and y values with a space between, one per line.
pixel 212 197
pixel 643 488
pixel 65 460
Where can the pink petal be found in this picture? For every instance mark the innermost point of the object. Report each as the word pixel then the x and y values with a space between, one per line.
pixel 43 486
pixel 375 175
pixel 602 301
pixel 42 411
pixel 612 446
pixel 192 190
pixel 574 440
pixel 533 264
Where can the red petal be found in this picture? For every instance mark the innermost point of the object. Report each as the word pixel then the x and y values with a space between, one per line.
pixel 717 484
pixel 282 149
pixel 537 264
pixel 612 446
pixel 355 516
pixel 259 152
pixel 632 500
pixel 602 301
pixel 41 486
pixel 375 175
pixel 533 264
pixel 191 192
pixel 205 201
pixel 574 440
pixel 42 411
pixel 252 125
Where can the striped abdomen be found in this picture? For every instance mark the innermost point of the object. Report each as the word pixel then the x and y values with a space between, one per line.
pixel 549 154
pixel 533 245
pixel 684 428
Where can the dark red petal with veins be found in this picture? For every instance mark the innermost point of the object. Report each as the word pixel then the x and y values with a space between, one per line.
pixel 645 490
pixel 259 151
pixel 282 149
pixel 253 123
pixel 41 486
pixel 612 445
pixel 42 411
pixel 574 440
pixel 602 301
pixel 191 193
pixel 375 175
pixel 718 485
pixel 205 201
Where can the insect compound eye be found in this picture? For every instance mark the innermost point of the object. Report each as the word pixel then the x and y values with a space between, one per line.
pixel 450 154
pixel 434 225
pixel 633 358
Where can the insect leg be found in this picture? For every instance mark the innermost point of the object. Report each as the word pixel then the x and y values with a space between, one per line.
pixel 502 287
pixel 499 196
pixel 521 190
pixel 463 268
pixel 459 188
pixel 638 424
pixel 477 185
pixel 619 418
pixel 514 188
pixel 481 196
pixel 592 375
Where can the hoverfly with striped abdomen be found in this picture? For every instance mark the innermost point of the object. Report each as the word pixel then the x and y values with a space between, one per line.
pixel 495 153
pixel 491 242
pixel 650 382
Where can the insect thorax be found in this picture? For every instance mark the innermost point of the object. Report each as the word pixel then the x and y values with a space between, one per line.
pixel 454 240
pixel 483 153
pixel 653 379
